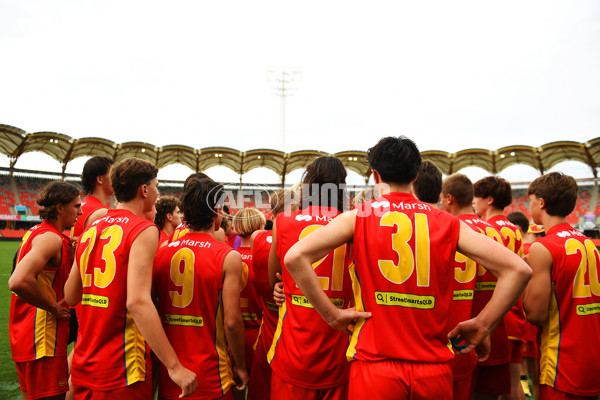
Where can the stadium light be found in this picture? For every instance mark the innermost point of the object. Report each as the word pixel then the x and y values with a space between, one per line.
pixel 282 82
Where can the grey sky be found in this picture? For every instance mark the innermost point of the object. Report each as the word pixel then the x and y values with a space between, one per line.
pixel 450 75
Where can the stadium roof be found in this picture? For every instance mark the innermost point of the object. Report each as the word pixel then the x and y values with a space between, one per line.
pixel 15 142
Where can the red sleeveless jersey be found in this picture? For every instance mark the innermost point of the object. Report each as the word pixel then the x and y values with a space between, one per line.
pixel 188 280
pixel 465 273
pixel 484 289
pixel 306 351
pixel 270 312
pixel 88 206
pixel 179 232
pixel 251 313
pixel 36 333
pixel 512 239
pixel 569 348
pixel 402 274
pixel 162 238
pixel 110 353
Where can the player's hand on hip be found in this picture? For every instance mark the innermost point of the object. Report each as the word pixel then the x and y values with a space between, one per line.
pixel 343 318
pixel 242 378
pixel 472 334
pixel 185 379
pixel 59 311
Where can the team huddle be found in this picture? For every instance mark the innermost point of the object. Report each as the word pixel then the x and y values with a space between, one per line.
pixel 421 290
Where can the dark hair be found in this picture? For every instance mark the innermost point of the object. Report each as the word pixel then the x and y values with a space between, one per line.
pixel 558 190
pixel 396 159
pixel 460 187
pixel 319 176
pixel 54 193
pixel 519 219
pixel 195 175
pixel 93 168
pixel 164 206
pixel 127 176
pixel 428 184
pixel 496 187
pixel 200 202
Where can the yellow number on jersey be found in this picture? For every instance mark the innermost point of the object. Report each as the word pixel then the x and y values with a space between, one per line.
pixel 339 255
pixel 184 279
pixel 466 272
pixel 101 278
pixel 406 259
pixel 587 266
pixel 492 234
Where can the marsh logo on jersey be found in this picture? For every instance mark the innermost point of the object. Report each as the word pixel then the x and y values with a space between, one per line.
pixel 378 204
pixel 301 217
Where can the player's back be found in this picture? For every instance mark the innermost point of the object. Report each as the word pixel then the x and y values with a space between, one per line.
pixel 110 352
pixel 465 273
pixel 306 351
pixel 512 239
pixel 569 349
pixel 188 280
pixel 89 205
pixel 401 274
pixel 270 311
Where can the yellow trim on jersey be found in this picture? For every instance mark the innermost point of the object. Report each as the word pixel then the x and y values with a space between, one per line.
pixel 225 373
pixel 549 343
pixel 134 346
pixel 260 328
pixel 360 306
pixel 277 335
pixel 46 326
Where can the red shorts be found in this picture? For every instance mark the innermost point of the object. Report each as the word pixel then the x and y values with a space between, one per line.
pixel 515 351
pixel 530 349
pixel 396 379
pixel 463 388
pixel 549 393
pixel 136 391
pixel 45 377
pixel 493 379
pixel 283 390
pixel 250 338
pixel 259 386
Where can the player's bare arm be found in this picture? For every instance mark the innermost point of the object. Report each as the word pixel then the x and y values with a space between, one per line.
pixel 315 246
pixel 234 325
pixel 141 307
pixel 46 249
pixel 74 287
pixel 512 274
pixel 536 298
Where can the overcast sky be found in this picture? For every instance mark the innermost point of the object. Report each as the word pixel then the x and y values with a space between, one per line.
pixel 450 75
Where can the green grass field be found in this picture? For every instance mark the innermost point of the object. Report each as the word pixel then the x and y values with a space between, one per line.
pixel 9 384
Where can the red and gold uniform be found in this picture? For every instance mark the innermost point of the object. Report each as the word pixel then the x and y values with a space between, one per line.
pixel 179 232
pixel 110 352
pixel 259 386
pixel 35 334
pixel 188 280
pixel 569 349
pixel 465 273
pixel 401 249
pixel 515 318
pixel 89 205
pixel 249 304
pixel 306 351
pixel 493 375
pixel 162 238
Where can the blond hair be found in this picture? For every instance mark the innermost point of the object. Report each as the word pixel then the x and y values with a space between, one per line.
pixel 247 221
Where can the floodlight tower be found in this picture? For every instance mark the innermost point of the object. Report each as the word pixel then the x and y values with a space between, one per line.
pixel 283 82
